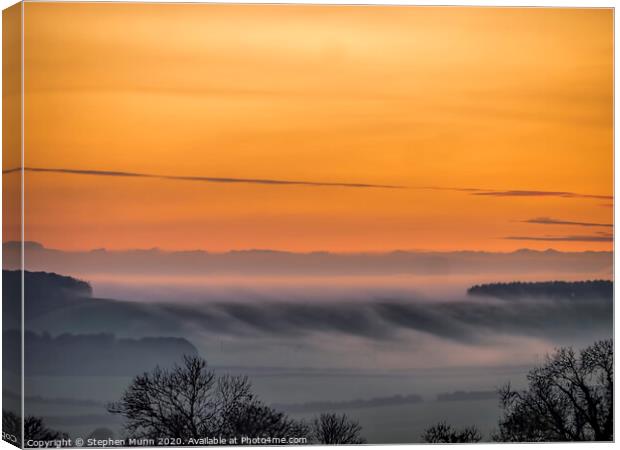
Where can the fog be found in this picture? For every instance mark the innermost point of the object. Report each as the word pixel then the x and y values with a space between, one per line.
pixel 357 341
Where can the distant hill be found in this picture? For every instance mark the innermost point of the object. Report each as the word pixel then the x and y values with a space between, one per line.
pixel 59 304
pixel 467 396
pixel 44 292
pixel 95 354
pixel 277 263
pixel 69 332
pixel 602 289
pixel 349 404
pixel 99 354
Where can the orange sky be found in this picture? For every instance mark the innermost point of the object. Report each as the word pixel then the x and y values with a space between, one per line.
pixel 487 98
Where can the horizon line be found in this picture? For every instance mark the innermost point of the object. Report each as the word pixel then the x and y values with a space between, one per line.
pixel 39 245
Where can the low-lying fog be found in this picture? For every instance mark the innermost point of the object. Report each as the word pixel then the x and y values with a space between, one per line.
pixel 372 323
pixel 350 338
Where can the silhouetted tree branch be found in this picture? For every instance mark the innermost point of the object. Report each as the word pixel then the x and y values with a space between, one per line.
pixel 442 433
pixel 329 428
pixel 34 428
pixel 569 398
pixel 189 401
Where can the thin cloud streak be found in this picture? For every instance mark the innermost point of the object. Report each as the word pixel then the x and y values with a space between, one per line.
pixel 265 181
pixel 576 238
pixel 278 182
pixel 551 221
pixel 562 194
pixel 518 193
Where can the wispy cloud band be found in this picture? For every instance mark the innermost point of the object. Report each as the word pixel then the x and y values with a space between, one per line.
pixel 518 193
pixel 526 193
pixel 551 221
pixel 575 238
pixel 283 182
pixel 265 181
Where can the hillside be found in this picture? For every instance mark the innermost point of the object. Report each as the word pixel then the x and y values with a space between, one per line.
pixel 65 323
pixel 44 292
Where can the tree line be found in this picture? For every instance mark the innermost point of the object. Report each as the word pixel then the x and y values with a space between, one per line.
pixel 549 289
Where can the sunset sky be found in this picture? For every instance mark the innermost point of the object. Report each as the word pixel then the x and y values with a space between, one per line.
pixel 468 128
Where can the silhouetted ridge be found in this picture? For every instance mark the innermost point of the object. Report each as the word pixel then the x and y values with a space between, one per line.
pixel 350 404
pixel 43 292
pixel 466 396
pixel 548 289
pixel 96 354
pixel 156 262
pixel 46 283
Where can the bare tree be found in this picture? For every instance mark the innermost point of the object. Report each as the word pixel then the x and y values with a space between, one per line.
pixel 258 420
pixel 34 428
pixel 442 433
pixel 330 428
pixel 243 415
pixel 189 401
pixel 569 398
pixel 181 402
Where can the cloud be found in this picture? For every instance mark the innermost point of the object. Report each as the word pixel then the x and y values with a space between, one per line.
pixel 279 182
pixel 528 193
pixel 517 192
pixel 265 181
pixel 550 221
pixel 600 237
pixel 453 189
